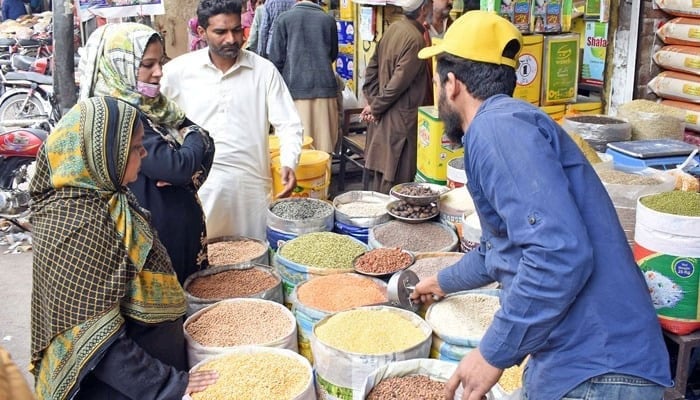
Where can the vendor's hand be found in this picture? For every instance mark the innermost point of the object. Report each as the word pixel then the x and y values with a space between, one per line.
pixel 161 184
pixel 366 114
pixel 289 180
pixel 200 380
pixel 428 290
pixel 475 374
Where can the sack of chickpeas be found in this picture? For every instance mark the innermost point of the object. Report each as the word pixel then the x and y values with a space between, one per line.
pixel 420 378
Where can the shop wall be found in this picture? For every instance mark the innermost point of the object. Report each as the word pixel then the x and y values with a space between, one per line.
pixel 649 43
pixel 173 25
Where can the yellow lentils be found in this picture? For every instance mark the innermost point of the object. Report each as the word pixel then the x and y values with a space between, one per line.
pixel 369 331
pixel 258 376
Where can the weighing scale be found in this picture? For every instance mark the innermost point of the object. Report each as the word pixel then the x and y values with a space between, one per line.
pixel 660 154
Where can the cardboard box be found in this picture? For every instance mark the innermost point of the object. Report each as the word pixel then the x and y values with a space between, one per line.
pixel 529 73
pixel 434 148
pixel 597 10
pixel 561 69
pixel 346 32
pixel 594 50
pixel 345 66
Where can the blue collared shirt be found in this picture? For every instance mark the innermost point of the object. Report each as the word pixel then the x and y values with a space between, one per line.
pixel 573 297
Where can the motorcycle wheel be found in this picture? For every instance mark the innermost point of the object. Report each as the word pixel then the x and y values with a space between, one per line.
pixel 12 108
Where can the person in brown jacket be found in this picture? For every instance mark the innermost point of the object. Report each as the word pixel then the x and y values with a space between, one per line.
pixel 395 86
pixel 12 383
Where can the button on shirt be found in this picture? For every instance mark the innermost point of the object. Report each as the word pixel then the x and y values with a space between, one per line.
pixel 573 297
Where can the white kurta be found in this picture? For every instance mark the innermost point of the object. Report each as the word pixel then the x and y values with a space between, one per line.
pixel 237 107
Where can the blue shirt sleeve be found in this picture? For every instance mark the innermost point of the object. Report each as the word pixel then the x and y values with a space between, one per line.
pixel 468 273
pixel 514 159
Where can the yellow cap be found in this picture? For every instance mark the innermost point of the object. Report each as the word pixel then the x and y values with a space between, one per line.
pixel 478 36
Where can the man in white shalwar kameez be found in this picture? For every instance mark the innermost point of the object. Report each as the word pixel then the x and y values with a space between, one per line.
pixel 235 95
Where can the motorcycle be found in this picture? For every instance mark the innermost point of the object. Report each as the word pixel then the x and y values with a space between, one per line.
pixel 28 99
pixel 18 151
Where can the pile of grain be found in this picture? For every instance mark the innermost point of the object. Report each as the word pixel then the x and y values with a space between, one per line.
pixel 413 237
pixel 613 176
pixel 463 316
pixel 675 202
pixel 362 209
pixel 234 252
pixel 332 293
pixel 241 323
pixel 232 283
pixel 652 120
pixel 418 387
pixel 369 331
pixel 254 377
pixel 323 250
pixel 428 266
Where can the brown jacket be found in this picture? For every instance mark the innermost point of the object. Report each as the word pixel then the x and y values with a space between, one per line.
pixel 395 87
pixel 13 386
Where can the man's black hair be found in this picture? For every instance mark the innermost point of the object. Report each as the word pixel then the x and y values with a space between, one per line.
pixel 210 8
pixel 482 80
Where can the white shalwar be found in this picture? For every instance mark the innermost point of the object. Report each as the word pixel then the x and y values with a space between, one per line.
pixel 237 107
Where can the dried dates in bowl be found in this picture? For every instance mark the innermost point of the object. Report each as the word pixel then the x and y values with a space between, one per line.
pixel 404 211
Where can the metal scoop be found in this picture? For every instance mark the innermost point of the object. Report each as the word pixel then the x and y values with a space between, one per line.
pixel 399 290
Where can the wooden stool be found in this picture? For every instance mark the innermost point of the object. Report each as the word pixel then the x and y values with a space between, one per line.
pixel 686 343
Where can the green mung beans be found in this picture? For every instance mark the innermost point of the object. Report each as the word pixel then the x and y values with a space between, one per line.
pixel 323 250
pixel 675 202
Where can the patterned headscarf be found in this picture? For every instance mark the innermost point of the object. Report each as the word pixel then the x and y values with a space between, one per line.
pixel 109 67
pixel 95 256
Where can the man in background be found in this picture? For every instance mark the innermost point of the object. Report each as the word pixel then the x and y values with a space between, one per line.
pixel 236 95
pixel 396 83
pixel 304 46
pixel 273 9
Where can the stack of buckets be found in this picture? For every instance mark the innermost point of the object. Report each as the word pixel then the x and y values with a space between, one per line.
pixel 313 172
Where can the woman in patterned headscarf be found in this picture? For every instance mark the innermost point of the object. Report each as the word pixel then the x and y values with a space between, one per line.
pixel 106 305
pixel 124 61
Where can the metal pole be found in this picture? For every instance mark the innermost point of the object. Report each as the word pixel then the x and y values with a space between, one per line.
pixel 63 50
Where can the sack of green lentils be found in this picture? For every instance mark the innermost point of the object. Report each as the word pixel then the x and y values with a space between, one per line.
pixel 422 378
pixel 238 322
pixel 255 372
pixel 315 254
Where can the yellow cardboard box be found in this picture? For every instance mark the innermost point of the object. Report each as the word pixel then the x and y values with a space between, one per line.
pixel 529 73
pixel 346 7
pixel 434 148
pixel 561 67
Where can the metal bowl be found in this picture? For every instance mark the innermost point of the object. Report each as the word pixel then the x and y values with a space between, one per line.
pixel 364 196
pixel 381 274
pixel 419 200
pixel 390 207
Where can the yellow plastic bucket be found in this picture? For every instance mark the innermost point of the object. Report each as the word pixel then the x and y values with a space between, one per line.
pixel 557 112
pixel 313 175
pixel 585 108
pixel 274 144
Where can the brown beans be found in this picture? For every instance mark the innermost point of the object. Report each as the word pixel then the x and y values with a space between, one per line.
pixel 403 209
pixel 414 387
pixel 234 252
pixel 241 323
pixel 232 283
pixel 416 190
pixel 382 261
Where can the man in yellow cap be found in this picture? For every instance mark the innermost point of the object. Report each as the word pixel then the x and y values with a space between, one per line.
pixel 572 297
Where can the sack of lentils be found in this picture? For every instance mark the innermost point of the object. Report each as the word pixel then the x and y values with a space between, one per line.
pixel 238 322
pixel 255 372
pixel 350 345
pixel 315 254
pixel 420 378
pixel 423 237
pixel 320 296
pixel 211 285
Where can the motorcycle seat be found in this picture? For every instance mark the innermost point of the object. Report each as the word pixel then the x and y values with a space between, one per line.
pixel 29 76
pixel 29 43
pixel 6 42
pixel 22 63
